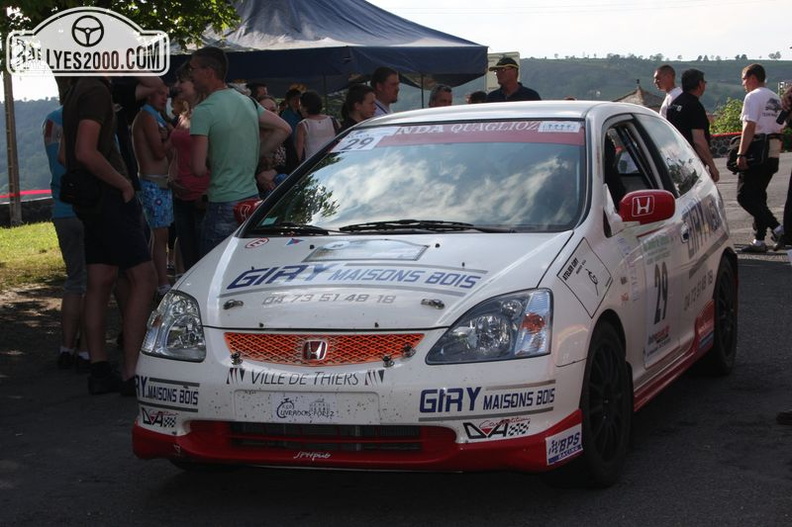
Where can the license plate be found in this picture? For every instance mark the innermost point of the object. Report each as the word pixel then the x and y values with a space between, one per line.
pixel 307 407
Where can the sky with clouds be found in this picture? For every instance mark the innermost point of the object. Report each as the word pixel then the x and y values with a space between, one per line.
pixel 588 28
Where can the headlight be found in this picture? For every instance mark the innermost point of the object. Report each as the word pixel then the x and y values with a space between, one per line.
pixel 514 326
pixel 175 330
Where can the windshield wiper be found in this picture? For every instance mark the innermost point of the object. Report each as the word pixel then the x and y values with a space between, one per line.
pixel 419 225
pixel 288 228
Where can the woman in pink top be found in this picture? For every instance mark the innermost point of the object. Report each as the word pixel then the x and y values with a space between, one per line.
pixel 316 129
pixel 188 189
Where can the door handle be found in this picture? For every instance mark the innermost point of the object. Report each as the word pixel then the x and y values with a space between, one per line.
pixel 684 233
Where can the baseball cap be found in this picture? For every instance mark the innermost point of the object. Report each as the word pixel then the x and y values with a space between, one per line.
pixel 505 62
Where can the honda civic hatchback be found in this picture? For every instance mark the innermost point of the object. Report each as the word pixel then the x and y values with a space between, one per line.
pixel 487 287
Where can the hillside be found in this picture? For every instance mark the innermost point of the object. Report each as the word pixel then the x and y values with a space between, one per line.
pixel 610 78
pixel 33 167
pixel 600 79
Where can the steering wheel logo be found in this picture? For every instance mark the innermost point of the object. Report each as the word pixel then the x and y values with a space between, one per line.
pixel 87 31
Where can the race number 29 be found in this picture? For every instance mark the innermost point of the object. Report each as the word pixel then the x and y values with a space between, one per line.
pixel 661 287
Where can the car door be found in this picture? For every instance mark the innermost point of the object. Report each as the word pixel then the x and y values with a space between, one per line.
pixel 703 227
pixel 661 244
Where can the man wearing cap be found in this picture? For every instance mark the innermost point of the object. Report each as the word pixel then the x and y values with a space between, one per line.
pixel 506 71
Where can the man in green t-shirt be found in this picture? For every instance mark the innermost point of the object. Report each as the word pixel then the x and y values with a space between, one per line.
pixel 225 128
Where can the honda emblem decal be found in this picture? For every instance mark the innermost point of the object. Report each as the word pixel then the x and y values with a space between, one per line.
pixel 314 350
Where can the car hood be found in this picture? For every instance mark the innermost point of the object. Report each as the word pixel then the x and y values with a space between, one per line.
pixel 363 282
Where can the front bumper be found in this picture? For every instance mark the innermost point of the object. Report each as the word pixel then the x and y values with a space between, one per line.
pixel 514 415
pixel 430 448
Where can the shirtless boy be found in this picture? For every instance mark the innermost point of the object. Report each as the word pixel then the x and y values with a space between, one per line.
pixel 150 137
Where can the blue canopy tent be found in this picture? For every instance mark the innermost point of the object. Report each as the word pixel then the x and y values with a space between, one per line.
pixel 326 44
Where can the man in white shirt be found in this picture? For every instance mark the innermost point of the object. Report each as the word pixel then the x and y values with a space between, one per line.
pixel 761 107
pixel 665 80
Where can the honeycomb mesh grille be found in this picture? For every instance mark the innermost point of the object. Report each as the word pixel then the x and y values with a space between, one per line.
pixel 341 349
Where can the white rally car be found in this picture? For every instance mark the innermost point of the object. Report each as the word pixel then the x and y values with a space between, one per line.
pixel 483 287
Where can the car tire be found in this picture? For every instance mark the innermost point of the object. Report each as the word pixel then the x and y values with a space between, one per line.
pixel 606 405
pixel 719 360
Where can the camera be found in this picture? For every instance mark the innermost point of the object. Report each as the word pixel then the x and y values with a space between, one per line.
pixel 782 117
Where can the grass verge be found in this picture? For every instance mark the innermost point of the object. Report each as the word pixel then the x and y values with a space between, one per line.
pixel 29 255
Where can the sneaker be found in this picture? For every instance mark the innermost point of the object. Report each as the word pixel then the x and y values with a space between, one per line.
pixel 756 246
pixel 65 360
pixel 105 384
pixel 128 388
pixel 780 243
pixel 784 418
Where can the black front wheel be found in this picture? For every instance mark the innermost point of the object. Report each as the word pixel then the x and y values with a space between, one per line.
pixel 606 405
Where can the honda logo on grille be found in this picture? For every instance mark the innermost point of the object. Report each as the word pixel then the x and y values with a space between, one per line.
pixel 314 350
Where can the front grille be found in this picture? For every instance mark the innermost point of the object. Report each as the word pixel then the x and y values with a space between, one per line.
pixel 287 349
pixel 339 438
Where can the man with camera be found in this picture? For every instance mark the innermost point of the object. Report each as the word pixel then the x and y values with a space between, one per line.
pixel 757 156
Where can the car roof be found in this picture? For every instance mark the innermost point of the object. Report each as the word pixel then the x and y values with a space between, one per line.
pixel 510 110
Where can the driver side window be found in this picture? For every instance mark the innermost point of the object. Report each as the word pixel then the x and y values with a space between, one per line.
pixel 622 171
pixel 682 163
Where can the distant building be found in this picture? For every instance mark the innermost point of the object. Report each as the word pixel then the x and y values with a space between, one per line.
pixel 642 98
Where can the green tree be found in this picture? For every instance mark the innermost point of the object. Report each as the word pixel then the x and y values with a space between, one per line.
pixel 727 117
pixel 183 20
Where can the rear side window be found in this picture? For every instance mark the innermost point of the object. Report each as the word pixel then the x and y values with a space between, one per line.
pixel 676 155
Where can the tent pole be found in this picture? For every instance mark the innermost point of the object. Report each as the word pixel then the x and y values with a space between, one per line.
pixel 324 90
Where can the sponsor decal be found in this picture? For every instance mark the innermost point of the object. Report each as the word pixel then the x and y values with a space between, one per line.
pixel 656 247
pixel 564 444
pixel 165 393
pixel 294 241
pixel 453 403
pixel 304 407
pixel 563 127
pixel 161 418
pixel 313 456
pixel 256 243
pixel 502 428
pixel 321 274
pixel 659 338
pixel 699 287
pixel 704 220
pixel 374 377
pixel 87 41
pixel 564 132
pixel 627 251
pixel 586 277
pixel 241 376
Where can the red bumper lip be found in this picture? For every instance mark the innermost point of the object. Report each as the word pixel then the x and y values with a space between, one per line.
pixel 210 443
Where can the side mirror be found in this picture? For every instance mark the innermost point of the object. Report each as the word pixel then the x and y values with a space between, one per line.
pixel 647 206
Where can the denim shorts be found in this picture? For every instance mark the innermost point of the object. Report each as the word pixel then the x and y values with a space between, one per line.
pixel 218 223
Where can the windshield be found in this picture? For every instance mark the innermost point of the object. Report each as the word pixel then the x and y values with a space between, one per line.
pixel 503 176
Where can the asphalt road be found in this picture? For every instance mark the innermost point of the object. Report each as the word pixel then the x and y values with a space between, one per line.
pixel 705 452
